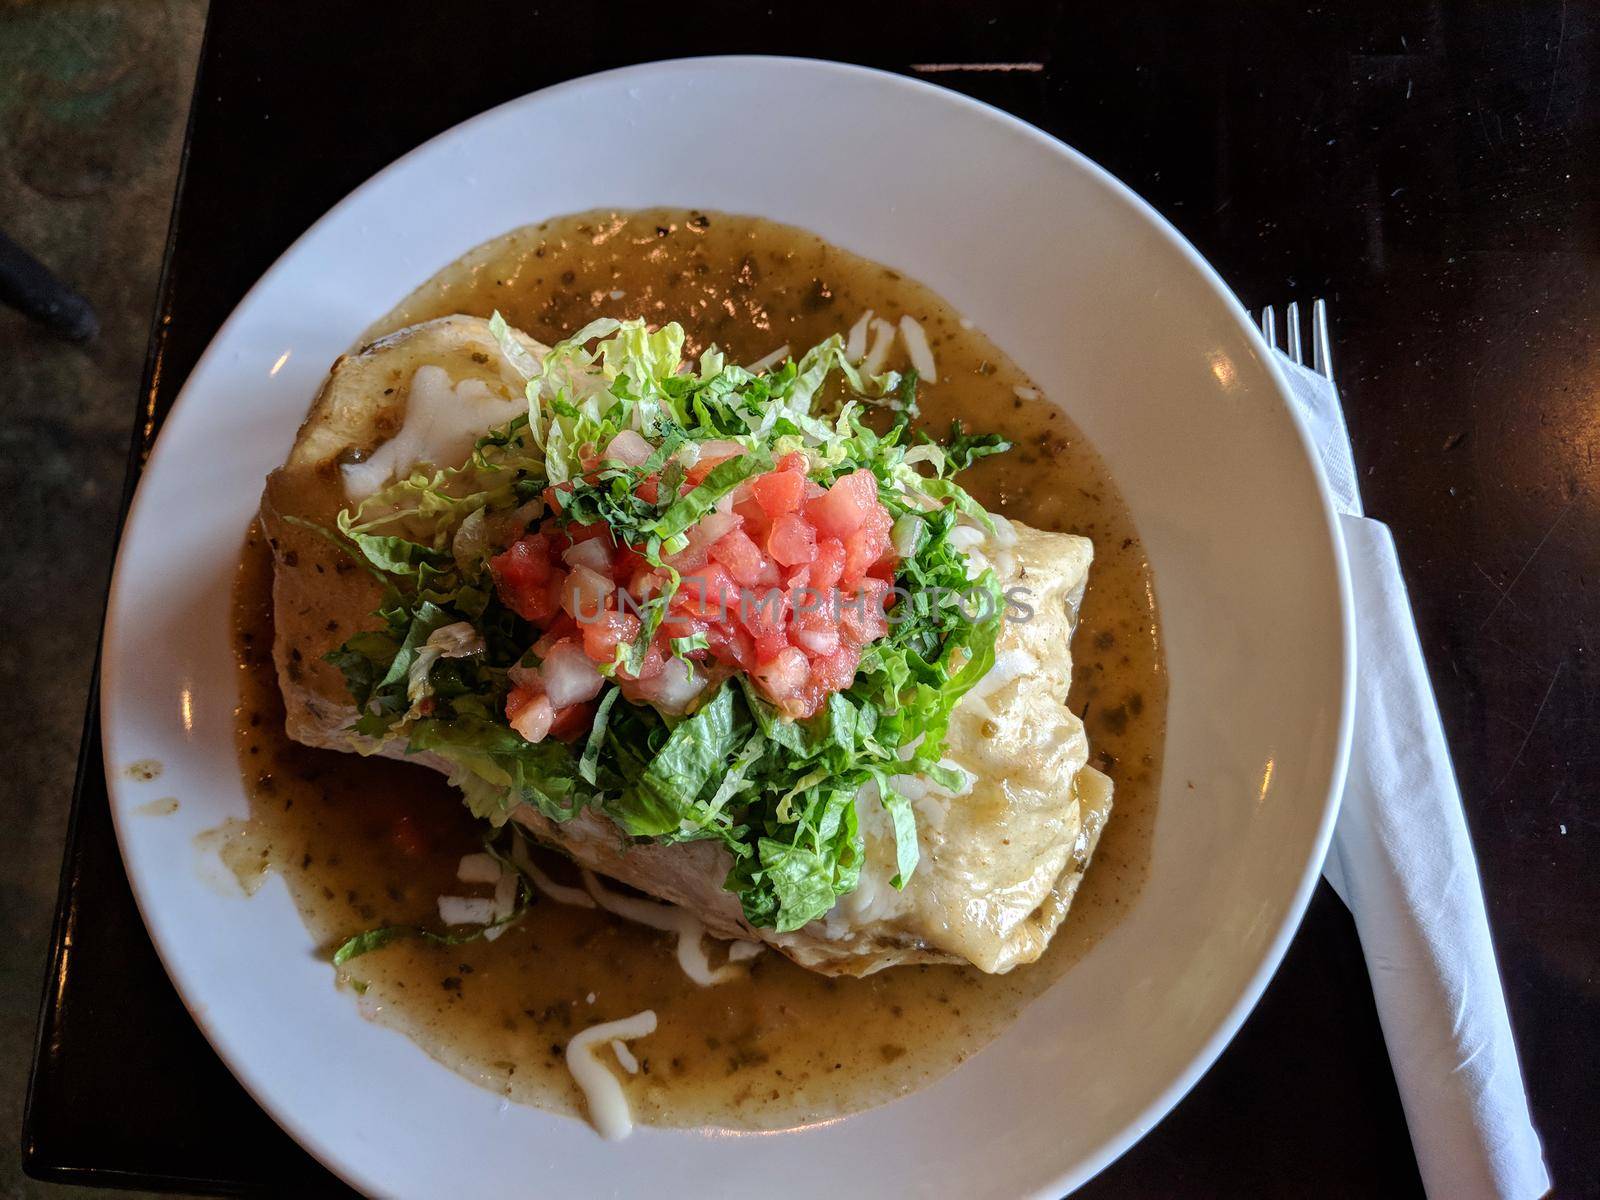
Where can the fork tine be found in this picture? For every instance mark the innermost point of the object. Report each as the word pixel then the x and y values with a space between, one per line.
pixel 1321 348
pixel 1269 326
pixel 1291 318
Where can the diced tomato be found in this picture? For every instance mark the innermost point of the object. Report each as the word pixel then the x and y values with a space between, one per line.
pixel 649 490
pixel 704 534
pixel 841 510
pixel 816 624
pixel 524 566
pixel 646 583
pixel 707 592
pixel 778 492
pixel 755 517
pixel 861 617
pixel 784 579
pixel 627 563
pixel 828 566
pixel 601 637
pixel 560 629
pixel 528 712
pixel 555 497
pixel 837 671
pixel 528 601
pixel 527 579
pixel 866 545
pixel 883 569
pixel 680 624
pixel 688 560
pixel 765 616
pixel 700 537
pixel 782 676
pixel 879 594
pixel 655 661
pixel 549 541
pixel 529 559
pixel 732 644
pixel 549 605
pixel 791 540
pixel 703 466
pixel 572 722
pixel 740 556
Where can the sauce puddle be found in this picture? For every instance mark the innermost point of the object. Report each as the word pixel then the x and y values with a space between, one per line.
pixel 361 842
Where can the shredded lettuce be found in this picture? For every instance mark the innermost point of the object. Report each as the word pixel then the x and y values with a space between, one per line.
pixel 780 795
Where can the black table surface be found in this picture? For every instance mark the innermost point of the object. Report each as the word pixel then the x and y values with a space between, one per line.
pixel 1430 169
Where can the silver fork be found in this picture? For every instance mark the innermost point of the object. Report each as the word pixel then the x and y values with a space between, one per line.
pixel 1321 352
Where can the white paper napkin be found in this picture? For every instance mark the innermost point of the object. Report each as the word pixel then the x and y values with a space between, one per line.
pixel 1401 860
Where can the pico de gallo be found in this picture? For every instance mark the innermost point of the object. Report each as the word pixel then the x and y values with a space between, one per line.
pixel 705 601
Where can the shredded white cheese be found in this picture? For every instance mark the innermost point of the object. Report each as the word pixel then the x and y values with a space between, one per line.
pixel 882 341
pixel 625 1057
pixel 855 346
pixel 917 347
pixel 670 919
pixel 608 1104
pixel 478 868
pixel 559 892
pixel 505 903
pixel 466 910
pixel 743 951
pixel 767 361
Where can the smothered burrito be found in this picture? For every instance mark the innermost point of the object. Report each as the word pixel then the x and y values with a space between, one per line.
pixel 733 636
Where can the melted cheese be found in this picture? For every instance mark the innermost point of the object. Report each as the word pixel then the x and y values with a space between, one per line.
pixel 442 423
pixel 1001 854
pixel 608 1104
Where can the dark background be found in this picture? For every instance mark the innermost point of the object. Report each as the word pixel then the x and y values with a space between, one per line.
pixel 1430 169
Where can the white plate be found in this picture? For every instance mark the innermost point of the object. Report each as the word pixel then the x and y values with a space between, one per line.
pixel 1098 300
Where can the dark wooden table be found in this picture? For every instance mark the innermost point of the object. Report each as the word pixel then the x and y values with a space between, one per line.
pixel 1430 169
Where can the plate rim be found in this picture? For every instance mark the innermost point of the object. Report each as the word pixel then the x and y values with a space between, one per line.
pixel 1156 1110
